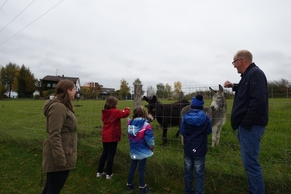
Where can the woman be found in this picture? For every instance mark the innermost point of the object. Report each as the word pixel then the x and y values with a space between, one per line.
pixel 60 147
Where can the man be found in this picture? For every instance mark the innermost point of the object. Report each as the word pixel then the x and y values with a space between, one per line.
pixel 195 127
pixel 250 115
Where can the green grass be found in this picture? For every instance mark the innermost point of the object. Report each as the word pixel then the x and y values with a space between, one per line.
pixel 22 132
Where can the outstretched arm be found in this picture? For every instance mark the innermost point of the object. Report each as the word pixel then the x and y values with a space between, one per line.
pixel 228 84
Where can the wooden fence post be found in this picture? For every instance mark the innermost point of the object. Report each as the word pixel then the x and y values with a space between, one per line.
pixel 137 95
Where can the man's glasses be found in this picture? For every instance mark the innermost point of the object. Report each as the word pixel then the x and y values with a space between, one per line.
pixel 235 61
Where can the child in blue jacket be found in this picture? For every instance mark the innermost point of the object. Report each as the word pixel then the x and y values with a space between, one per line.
pixel 195 127
pixel 142 143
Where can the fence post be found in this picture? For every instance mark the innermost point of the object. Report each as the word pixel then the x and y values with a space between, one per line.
pixel 137 95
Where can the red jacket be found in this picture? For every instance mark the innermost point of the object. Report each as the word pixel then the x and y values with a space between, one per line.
pixel 111 131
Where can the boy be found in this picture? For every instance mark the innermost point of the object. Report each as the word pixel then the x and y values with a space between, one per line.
pixel 195 127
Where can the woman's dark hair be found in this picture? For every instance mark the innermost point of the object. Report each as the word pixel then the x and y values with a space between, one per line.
pixel 61 93
pixel 111 102
pixel 139 111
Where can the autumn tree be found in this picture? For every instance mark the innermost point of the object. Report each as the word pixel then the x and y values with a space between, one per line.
pixel 160 90
pixel 167 91
pixel 25 82
pixel 124 90
pixel 38 86
pixel 9 75
pixel 279 88
pixel 2 90
pixel 137 82
pixel 91 90
pixel 150 91
pixel 177 89
pixel 2 86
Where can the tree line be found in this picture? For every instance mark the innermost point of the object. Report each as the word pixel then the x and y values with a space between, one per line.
pixel 18 79
pixel 22 81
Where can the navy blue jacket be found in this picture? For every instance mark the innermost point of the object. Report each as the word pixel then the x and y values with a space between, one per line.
pixel 195 127
pixel 250 106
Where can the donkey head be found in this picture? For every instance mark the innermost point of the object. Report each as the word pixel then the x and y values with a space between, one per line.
pixel 151 106
pixel 218 99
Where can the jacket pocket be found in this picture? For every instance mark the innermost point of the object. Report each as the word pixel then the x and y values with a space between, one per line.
pixel 68 143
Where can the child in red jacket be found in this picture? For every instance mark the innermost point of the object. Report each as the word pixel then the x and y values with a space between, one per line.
pixel 111 134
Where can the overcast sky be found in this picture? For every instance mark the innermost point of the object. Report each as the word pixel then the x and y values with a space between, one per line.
pixel 157 41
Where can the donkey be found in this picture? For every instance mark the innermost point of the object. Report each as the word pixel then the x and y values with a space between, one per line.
pixel 216 111
pixel 167 115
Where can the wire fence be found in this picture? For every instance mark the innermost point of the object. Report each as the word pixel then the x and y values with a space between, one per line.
pixel 275 155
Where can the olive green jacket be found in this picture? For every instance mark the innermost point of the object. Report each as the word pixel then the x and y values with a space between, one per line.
pixel 60 147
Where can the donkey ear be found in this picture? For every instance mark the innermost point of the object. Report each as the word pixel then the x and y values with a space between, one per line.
pixel 220 88
pixel 211 89
pixel 155 99
pixel 145 98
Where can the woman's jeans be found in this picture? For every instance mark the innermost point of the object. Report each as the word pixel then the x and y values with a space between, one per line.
pixel 250 149
pixel 109 150
pixel 194 168
pixel 141 171
pixel 55 182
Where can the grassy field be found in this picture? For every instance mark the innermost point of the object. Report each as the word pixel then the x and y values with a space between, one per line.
pixel 22 132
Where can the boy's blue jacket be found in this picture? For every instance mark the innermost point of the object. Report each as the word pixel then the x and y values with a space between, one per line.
pixel 141 138
pixel 195 127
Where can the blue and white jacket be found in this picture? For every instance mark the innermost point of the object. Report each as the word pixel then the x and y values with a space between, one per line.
pixel 195 127
pixel 141 138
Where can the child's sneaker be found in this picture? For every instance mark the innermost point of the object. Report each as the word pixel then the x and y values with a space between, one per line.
pixel 144 190
pixel 129 188
pixel 109 176
pixel 100 174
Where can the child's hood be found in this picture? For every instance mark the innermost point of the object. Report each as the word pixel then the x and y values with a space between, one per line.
pixel 136 125
pixel 196 118
pixel 107 112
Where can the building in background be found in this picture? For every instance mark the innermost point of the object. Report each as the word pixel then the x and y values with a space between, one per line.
pixel 49 82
